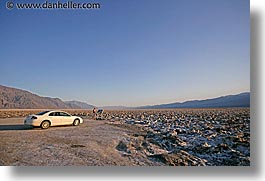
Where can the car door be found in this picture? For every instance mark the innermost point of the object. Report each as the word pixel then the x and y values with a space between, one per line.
pixel 65 118
pixel 55 118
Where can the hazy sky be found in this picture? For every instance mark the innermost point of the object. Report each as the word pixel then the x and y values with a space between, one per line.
pixel 129 52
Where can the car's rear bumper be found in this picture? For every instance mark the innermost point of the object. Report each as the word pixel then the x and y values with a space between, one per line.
pixel 31 123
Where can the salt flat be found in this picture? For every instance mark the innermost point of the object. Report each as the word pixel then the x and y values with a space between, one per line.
pixel 176 137
pixel 92 143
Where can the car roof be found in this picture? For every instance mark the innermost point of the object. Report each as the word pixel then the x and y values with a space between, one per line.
pixel 50 111
pixel 57 111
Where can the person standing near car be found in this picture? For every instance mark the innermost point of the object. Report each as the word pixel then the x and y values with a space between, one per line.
pixel 94 113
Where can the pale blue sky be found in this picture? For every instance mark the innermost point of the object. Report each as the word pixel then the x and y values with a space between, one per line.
pixel 128 52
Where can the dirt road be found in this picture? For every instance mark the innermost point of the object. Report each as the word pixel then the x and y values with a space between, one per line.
pixel 93 143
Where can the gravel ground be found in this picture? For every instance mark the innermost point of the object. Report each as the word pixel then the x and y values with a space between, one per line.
pixel 93 143
pixel 173 137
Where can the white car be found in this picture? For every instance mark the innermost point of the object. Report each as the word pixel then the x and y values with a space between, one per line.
pixel 46 119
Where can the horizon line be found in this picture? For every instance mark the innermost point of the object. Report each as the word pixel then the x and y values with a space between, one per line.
pixel 126 105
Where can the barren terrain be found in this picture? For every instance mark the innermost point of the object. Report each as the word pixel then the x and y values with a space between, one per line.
pixel 176 137
pixel 91 143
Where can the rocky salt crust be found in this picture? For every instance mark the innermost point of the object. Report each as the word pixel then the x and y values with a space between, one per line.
pixel 214 137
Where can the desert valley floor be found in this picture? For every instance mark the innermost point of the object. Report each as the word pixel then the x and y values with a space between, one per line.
pixel 175 137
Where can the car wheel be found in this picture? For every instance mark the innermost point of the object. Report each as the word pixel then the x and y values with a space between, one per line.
pixel 45 124
pixel 76 122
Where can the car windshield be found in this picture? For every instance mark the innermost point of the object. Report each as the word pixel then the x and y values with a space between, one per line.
pixel 42 113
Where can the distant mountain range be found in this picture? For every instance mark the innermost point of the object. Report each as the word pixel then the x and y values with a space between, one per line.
pixel 12 98
pixel 239 100
pixel 78 104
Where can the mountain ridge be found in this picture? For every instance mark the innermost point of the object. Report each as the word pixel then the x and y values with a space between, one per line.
pixel 74 104
pixel 13 98
pixel 237 100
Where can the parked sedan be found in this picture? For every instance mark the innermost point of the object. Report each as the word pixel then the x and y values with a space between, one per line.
pixel 46 119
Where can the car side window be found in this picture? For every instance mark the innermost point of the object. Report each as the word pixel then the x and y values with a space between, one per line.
pixel 64 114
pixel 52 114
